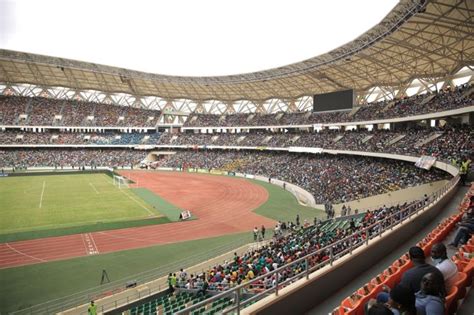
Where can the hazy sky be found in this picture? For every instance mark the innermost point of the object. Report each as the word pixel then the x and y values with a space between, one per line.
pixel 186 37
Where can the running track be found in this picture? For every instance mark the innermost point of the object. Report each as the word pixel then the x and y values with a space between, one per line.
pixel 223 205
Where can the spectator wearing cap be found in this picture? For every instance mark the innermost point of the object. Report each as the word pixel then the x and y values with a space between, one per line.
pixel 412 277
pixel 379 309
pixel 400 300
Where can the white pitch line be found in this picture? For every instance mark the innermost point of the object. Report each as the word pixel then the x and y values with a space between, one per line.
pixel 42 193
pixel 96 191
pixel 138 203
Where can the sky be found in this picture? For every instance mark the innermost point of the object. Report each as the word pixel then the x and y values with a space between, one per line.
pixel 186 37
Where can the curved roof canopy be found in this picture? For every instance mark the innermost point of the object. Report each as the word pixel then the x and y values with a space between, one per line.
pixel 417 39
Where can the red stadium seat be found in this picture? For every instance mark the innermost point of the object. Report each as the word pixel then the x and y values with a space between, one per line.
pixel 461 283
pixel 450 304
pixel 354 304
pixel 392 276
pixel 467 249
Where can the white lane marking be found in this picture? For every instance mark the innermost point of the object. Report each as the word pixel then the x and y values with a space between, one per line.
pixel 21 253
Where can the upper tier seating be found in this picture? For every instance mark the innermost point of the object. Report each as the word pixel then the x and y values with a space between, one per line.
pixel 411 106
pixel 39 111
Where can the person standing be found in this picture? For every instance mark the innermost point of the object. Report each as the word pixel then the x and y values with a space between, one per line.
pixel 92 309
pixel 298 220
pixel 464 169
pixel 171 283
pixel 263 231
pixel 255 234
pixel 203 289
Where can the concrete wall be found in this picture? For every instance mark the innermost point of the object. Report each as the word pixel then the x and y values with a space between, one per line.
pixel 304 197
pixel 303 295
pixel 394 197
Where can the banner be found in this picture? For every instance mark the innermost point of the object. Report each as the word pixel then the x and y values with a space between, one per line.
pixel 217 172
pixel 425 162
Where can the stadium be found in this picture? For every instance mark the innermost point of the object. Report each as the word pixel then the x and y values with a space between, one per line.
pixel 313 187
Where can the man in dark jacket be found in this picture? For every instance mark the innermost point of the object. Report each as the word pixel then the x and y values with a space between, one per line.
pixel 412 277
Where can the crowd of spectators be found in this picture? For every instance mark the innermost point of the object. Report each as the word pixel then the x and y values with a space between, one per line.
pixel 422 288
pixel 293 242
pixel 76 138
pixel 24 158
pixel 41 111
pixel 11 108
pixel 331 179
pixel 445 143
pixel 409 106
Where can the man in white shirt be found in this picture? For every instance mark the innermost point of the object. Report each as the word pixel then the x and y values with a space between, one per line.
pixel 447 267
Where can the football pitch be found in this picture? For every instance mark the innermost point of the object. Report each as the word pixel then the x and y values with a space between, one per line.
pixel 34 203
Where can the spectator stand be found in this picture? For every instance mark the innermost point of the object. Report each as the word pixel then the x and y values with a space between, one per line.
pixel 464 259
pixel 326 269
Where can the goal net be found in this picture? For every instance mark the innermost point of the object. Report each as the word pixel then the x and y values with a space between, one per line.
pixel 121 181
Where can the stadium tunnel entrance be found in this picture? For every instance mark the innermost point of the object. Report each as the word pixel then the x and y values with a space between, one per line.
pixel 155 158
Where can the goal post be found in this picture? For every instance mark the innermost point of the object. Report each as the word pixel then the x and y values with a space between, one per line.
pixel 120 181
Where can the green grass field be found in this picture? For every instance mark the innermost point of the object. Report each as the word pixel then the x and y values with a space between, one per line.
pixel 34 203
pixel 33 284
pixel 26 286
pixel 283 206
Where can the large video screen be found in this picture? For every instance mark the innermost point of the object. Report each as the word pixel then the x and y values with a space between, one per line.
pixel 333 101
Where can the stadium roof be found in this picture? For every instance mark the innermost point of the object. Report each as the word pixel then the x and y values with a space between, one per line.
pixel 417 39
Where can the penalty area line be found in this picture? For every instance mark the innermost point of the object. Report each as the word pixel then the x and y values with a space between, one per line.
pixel 42 193
pixel 138 203
pixel 95 189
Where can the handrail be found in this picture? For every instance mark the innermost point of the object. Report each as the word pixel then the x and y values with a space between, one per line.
pixel 236 292
pixel 373 231
pixel 116 286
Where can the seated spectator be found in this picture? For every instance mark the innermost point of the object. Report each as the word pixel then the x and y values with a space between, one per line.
pixel 379 309
pixel 430 298
pixel 444 264
pixel 412 277
pixel 465 229
pixel 400 300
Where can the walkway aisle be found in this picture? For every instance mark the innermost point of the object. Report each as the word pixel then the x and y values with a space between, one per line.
pixel 379 266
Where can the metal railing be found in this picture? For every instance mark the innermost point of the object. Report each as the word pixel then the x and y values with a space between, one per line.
pixel 307 263
pixel 117 286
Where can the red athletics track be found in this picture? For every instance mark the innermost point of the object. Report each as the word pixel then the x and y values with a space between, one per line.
pixel 222 204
